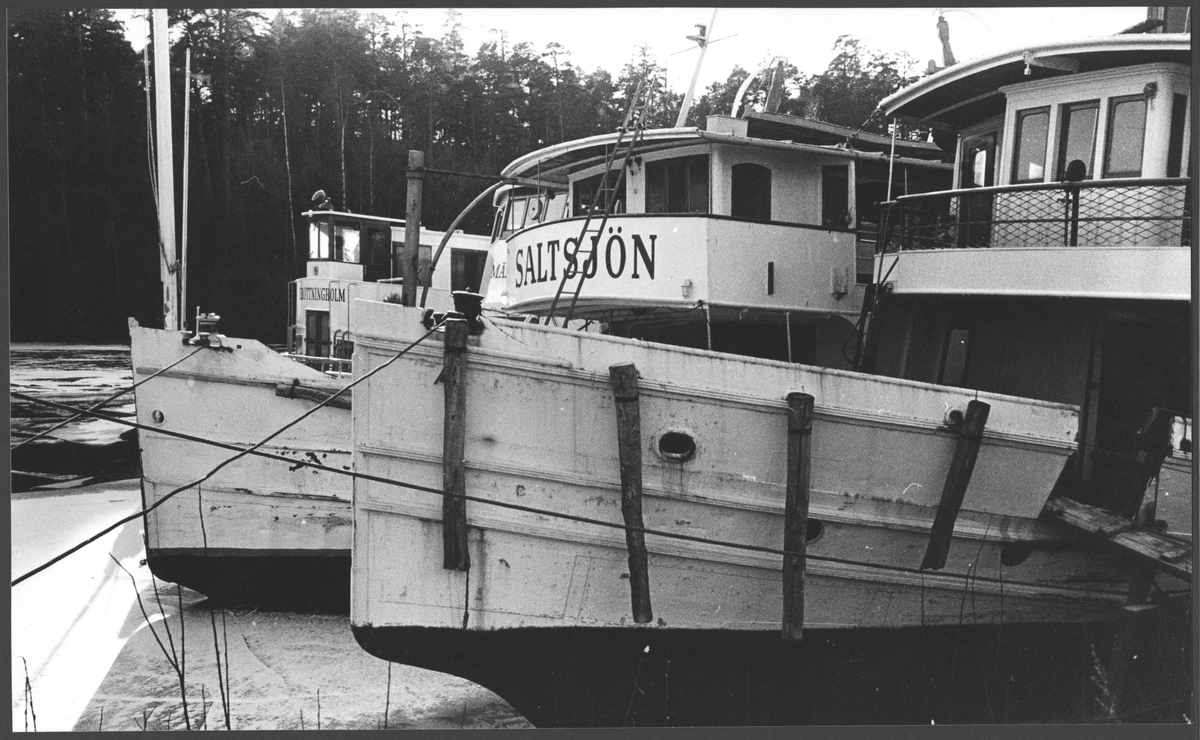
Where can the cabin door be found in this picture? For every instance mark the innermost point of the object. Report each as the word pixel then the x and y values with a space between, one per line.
pixel 1143 365
pixel 316 334
pixel 978 171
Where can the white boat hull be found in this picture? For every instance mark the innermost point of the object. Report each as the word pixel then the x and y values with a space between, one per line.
pixel 541 433
pixel 257 522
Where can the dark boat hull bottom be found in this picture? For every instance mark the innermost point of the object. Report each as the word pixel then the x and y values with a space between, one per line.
pixel 606 677
pixel 297 582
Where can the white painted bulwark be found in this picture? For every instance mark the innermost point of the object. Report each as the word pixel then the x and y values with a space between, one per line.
pixel 540 433
pixel 1155 273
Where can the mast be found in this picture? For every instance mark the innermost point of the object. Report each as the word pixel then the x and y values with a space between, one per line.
pixel 700 38
pixel 168 264
pixel 187 110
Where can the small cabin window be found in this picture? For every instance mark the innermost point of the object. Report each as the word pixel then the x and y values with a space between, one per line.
pixel 1029 161
pixel 466 269
pixel 1175 145
pixel 751 192
pixel 677 185
pixel 1126 136
pixel 835 196
pixel 316 333
pixel 424 260
pixel 954 360
pixel 1078 135
pixel 584 191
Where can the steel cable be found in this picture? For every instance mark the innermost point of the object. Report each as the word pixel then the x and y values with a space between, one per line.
pixel 242 453
pixel 529 509
pixel 90 409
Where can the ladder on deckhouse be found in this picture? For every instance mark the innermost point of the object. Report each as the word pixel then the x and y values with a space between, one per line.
pixel 629 135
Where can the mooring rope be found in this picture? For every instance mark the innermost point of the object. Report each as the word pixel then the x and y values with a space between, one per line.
pixel 113 397
pixel 242 453
pixel 518 507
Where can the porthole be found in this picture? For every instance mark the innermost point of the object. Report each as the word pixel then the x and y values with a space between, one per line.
pixel 676 446
pixel 813 531
pixel 157 416
pixel 1015 554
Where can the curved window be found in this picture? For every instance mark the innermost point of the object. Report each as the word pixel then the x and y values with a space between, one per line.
pixel 751 192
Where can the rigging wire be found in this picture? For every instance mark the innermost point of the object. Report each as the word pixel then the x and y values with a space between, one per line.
pixel 501 504
pixel 113 397
pixel 242 453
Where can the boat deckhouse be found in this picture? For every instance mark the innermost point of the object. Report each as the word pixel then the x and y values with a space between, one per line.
pixel 1059 267
pixel 354 256
pixel 754 236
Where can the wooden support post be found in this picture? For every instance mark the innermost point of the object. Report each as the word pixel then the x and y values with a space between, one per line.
pixel 970 436
pixel 412 227
pixel 629 449
pixel 795 515
pixel 454 508
pixel 1153 445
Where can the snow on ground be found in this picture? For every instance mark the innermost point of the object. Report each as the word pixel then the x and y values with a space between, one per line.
pixel 89 650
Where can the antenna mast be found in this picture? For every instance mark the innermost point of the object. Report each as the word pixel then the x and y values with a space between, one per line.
pixel 701 38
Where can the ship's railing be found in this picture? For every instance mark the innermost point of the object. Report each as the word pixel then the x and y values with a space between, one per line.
pixel 338 367
pixel 1095 213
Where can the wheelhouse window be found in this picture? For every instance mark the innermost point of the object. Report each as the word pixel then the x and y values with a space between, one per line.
pixel 1175 144
pixel 521 209
pixel 1029 161
pixel 584 192
pixel 835 196
pixel 424 260
pixel 1078 135
pixel 751 192
pixel 466 269
pixel 677 185
pixel 377 254
pixel 333 241
pixel 1126 137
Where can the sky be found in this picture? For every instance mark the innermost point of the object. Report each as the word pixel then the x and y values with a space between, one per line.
pixel 750 37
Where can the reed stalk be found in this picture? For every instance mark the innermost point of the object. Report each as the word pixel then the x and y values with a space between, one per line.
pixel 387 698
pixel 29 710
pixel 170 655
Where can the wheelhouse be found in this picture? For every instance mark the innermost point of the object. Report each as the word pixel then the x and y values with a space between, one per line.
pixel 352 256
pixel 754 236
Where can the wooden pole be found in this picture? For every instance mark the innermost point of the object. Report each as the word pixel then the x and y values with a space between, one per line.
pixel 629 448
pixel 795 515
pixel 412 227
pixel 454 508
pixel 970 437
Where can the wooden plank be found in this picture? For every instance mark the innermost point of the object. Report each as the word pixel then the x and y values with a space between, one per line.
pixel 970 436
pixel 454 508
pixel 296 389
pixel 795 519
pixel 1163 552
pixel 624 379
